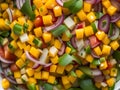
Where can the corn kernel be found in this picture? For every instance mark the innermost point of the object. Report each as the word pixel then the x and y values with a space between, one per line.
pixel 87 7
pixel 47 37
pixel 68 50
pixel 53 68
pixel 106 50
pixel 20 63
pixel 47 20
pixel 79 33
pixel 69 67
pixel 18 53
pixel 106 3
pixel 38 32
pixel 21 45
pixel 34 52
pixel 45 75
pixel 54 60
pixel 100 35
pixel 57 44
pixel 89 58
pixel 72 79
pixel 65 80
pixel 43 10
pixel 82 15
pixel 37 3
pixel 32 80
pixel 79 73
pixel 57 11
pixel 50 4
pixel 111 10
pixel 60 69
pixel 37 75
pixel 91 17
pixel 98 51
pixel 21 20
pixel 17 74
pixel 118 23
pixel 30 72
pixel 103 65
pixel 114 45
pixel 51 79
pixel 88 31
pixel 111 82
pixel 106 40
pixel 5 83
pixel 4 6
pixel 113 72
pixel 30 25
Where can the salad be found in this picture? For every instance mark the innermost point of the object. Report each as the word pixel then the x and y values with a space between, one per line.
pixel 60 44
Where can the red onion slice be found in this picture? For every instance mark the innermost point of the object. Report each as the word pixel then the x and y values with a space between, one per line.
pixel 99 78
pixel 56 24
pixel 18 4
pixel 10 14
pixel 73 42
pixel 98 1
pixel 91 1
pixel 5 60
pixel 96 72
pixel 62 49
pixel 116 32
pixel 104 23
pixel 115 17
pixel 60 2
pixel 35 66
pixel 94 55
pixel 35 60
pixel 116 4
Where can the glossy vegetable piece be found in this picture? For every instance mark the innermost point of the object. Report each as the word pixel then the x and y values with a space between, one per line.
pixel 87 84
pixel 59 30
pixel 65 59
pixel 116 55
pixel 38 21
pixel 31 87
pixel 27 9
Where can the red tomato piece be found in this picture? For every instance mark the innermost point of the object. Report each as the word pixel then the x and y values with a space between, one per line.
pixel 94 41
pixel 81 25
pixel 8 54
pixel 2 52
pixel 38 21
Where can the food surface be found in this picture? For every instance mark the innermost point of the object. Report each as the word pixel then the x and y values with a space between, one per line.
pixel 60 44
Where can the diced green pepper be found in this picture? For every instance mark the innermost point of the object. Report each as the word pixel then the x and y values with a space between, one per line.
pixel 17 29
pixel 86 70
pixel 65 59
pixel 48 86
pixel 96 62
pixel 59 30
pixel 27 9
pixel 87 84
pixel 31 86
pixel 88 49
pixel 116 55
pixel 37 42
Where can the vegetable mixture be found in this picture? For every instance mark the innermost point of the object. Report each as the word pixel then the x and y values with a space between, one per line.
pixel 60 44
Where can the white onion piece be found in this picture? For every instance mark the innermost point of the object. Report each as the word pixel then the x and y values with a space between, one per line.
pixel 80 44
pixel 35 60
pixel 10 14
pixel 5 60
pixel 56 24
pixel 69 22
pixel 117 86
pixel 116 33
pixel 60 2
pixel 18 4
pixel 24 38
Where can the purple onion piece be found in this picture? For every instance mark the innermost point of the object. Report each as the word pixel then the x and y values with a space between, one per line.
pixel 104 23
pixel 60 2
pixel 91 1
pixel 62 50
pixel 73 42
pixel 94 55
pixel 99 78
pixel 115 17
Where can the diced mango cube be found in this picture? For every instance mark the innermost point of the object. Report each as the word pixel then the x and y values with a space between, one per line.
pixel 98 51
pixel 47 37
pixel 111 10
pixel 57 11
pixel 100 35
pixel 30 72
pixel 87 7
pixel 38 32
pixel 54 60
pixel 53 68
pixel 17 74
pixel 88 31
pixel 37 75
pixel 82 15
pixel 114 45
pixel 51 79
pixel 47 19
pixel 91 17
pixel 44 75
